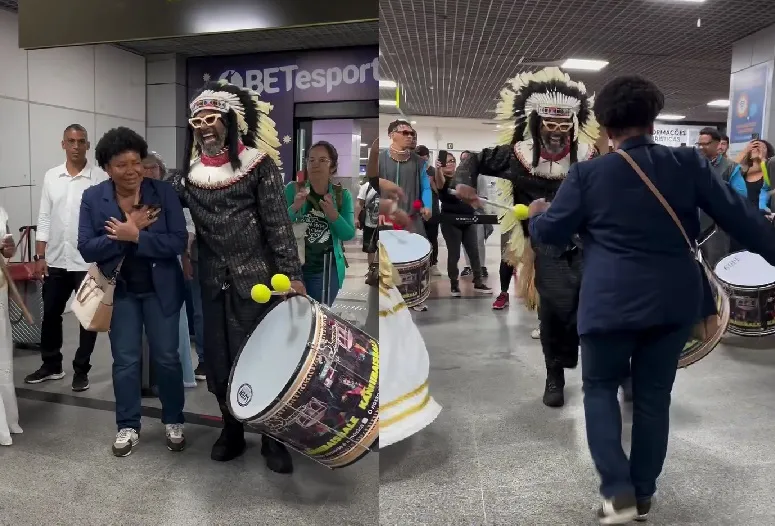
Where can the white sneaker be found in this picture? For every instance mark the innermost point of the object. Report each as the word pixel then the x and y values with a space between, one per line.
pixel 536 334
pixel 435 271
pixel 176 441
pixel 126 440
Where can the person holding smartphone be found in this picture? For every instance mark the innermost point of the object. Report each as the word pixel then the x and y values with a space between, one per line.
pixel 456 234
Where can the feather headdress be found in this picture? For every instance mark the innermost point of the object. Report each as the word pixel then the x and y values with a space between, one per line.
pixel 546 93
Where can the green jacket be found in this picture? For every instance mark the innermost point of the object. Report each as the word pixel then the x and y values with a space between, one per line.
pixel 343 229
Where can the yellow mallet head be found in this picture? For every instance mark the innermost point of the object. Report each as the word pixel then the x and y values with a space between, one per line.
pixel 521 212
pixel 260 293
pixel 281 283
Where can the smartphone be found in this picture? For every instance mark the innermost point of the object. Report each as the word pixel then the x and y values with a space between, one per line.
pixel 442 158
pixel 755 137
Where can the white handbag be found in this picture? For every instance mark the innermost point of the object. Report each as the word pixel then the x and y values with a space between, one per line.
pixel 299 230
pixel 93 302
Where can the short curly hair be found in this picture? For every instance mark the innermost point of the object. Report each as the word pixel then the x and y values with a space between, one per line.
pixel 117 141
pixel 628 102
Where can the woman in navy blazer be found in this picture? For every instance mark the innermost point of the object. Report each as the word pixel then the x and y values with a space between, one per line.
pixel 133 228
pixel 641 289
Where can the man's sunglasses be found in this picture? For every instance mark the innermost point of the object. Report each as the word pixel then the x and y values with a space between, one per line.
pixel 204 122
pixel 407 133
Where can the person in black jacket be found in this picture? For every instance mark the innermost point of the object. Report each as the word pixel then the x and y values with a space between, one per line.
pixel 641 287
pixel 454 232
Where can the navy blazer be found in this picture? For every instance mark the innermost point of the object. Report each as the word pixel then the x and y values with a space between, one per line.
pixel 638 270
pixel 161 243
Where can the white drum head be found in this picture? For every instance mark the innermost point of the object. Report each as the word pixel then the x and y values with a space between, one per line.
pixel 403 246
pixel 270 357
pixel 745 269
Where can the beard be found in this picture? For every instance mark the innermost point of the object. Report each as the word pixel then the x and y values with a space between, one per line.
pixel 213 147
pixel 555 143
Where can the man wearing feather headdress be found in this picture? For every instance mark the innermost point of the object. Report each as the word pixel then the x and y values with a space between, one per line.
pixel 550 126
pixel 234 189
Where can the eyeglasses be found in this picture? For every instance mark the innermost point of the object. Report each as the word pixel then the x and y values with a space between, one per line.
pixel 451 162
pixel 204 122
pixel 321 160
pixel 558 126
pixel 407 133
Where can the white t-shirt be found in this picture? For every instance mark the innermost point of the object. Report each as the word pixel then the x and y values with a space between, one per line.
pixel 370 197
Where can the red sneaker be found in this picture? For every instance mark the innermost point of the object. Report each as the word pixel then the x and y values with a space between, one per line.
pixel 501 302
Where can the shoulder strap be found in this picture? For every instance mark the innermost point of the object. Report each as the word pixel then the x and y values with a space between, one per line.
pixel 338 193
pixel 658 195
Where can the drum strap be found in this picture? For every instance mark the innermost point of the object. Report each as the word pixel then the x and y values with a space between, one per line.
pixel 659 196
pixel 711 326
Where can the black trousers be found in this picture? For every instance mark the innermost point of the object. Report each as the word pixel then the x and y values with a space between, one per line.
pixel 58 286
pixel 454 236
pixel 432 231
pixel 559 338
pixel 229 320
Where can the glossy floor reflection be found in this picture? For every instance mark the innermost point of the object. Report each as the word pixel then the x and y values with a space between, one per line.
pixel 497 456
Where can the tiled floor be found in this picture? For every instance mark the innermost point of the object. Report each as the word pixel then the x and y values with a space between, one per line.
pixel 495 456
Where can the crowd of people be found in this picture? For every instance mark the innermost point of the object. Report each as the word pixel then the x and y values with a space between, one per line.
pixel 193 246
pixel 190 246
pixel 632 306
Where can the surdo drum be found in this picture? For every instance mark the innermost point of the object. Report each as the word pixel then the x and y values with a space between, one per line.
pixel 311 380
pixel 411 257
pixel 750 282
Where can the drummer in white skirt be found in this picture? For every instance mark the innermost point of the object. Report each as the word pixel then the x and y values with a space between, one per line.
pixel 9 410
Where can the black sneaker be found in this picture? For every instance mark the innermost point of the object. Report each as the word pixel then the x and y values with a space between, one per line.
pixel 231 444
pixel 481 288
pixel 80 382
pixel 485 274
pixel 644 507
pixel 618 510
pixel 199 373
pixel 554 392
pixel 466 272
pixel 454 289
pixel 43 375
pixel 277 457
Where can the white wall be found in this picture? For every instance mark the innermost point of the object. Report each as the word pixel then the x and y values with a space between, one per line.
pixel 44 91
pixel 437 132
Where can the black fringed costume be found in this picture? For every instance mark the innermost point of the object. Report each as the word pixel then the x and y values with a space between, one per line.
pixel 527 172
pixel 244 237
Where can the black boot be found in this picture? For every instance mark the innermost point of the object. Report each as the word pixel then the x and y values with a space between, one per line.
pixel 554 395
pixel 231 443
pixel 277 457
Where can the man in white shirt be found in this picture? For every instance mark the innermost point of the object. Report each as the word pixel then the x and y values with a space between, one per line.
pixel 57 260
pixel 367 218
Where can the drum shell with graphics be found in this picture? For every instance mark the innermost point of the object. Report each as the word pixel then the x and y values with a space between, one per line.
pixel 311 380
pixel 750 282
pixel 411 256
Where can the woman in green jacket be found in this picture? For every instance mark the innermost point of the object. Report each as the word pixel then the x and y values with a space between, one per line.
pixel 327 210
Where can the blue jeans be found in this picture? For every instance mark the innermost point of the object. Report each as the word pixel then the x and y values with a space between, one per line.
pixel 314 284
pixel 196 304
pixel 132 313
pixel 607 359
pixel 184 348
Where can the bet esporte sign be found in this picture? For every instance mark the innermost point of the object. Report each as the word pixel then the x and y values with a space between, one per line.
pixel 286 78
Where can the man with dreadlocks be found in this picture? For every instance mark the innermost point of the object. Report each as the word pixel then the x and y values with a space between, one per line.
pixel 234 190
pixel 550 126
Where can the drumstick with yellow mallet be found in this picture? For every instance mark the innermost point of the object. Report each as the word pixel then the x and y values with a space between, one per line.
pixel 281 285
pixel 521 211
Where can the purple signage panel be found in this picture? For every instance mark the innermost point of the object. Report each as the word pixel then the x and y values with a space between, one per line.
pixel 283 79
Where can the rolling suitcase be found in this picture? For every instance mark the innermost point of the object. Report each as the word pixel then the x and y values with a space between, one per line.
pixel 26 335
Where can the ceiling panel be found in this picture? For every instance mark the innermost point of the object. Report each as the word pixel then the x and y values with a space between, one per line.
pixel 454 56
pixel 291 39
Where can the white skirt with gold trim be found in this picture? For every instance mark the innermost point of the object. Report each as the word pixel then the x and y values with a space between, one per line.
pixel 405 405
